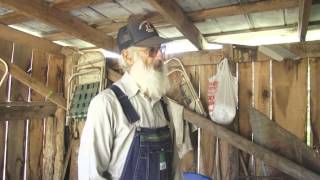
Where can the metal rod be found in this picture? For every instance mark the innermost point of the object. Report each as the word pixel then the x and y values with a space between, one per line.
pixel 6 71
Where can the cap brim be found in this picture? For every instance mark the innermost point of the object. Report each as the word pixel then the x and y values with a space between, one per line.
pixel 152 42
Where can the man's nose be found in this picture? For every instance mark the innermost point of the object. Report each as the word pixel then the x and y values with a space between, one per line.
pixel 160 55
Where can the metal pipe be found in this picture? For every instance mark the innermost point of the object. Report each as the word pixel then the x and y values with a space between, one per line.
pixel 6 70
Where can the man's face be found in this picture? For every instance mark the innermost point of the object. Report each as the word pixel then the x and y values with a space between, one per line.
pixel 151 56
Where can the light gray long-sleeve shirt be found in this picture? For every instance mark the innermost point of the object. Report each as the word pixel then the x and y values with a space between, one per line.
pixel 107 134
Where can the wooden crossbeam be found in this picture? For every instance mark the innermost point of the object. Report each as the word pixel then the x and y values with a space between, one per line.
pixel 26 110
pixel 16 17
pixel 26 39
pixel 171 11
pixel 19 74
pixel 158 21
pixel 240 142
pixel 61 20
pixel 304 14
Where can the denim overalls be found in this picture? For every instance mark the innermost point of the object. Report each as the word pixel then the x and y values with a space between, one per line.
pixel 151 152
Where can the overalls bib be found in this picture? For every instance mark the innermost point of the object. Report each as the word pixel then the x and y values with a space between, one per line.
pixel 151 152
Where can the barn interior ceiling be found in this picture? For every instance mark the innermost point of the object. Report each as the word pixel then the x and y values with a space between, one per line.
pixel 247 22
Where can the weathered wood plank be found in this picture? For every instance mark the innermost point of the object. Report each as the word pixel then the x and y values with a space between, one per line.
pixel 49 149
pixel 208 141
pixel 245 98
pixel 315 100
pixel 63 20
pixel 16 129
pixel 289 89
pixel 171 11
pixel 304 14
pixel 60 149
pixel 262 101
pixel 198 58
pixel 10 34
pixel 56 82
pixel 10 113
pixel 289 102
pixel 36 125
pixel 5 53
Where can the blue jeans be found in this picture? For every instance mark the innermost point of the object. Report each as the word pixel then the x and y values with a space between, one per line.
pixel 150 155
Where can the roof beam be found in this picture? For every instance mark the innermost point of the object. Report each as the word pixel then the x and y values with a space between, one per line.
pixel 15 17
pixel 171 11
pixel 304 14
pixel 62 20
pixel 195 16
pixel 20 37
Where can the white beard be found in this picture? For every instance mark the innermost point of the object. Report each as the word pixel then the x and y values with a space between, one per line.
pixel 152 82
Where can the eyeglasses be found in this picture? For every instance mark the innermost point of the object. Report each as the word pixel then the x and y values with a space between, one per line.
pixel 153 51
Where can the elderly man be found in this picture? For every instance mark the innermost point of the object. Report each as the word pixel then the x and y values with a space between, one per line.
pixel 126 135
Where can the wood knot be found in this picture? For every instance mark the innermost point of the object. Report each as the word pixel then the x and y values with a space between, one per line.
pixel 265 94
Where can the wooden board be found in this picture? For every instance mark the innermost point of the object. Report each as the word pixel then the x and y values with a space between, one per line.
pixel 208 141
pixel 55 82
pixel 289 89
pixel 289 100
pixel 5 53
pixel 262 102
pixel 245 98
pixel 245 102
pixel 16 129
pixel 36 126
pixel 315 100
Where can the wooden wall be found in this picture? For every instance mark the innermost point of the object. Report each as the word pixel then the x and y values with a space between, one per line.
pixel 33 145
pixel 278 89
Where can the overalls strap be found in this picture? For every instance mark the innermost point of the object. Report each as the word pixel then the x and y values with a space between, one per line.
pixel 127 107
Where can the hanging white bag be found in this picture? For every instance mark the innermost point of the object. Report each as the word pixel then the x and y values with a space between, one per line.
pixel 222 95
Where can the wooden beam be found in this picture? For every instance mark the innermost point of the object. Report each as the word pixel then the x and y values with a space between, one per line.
pixel 69 5
pixel 201 15
pixel 304 14
pixel 158 21
pixel 26 110
pixel 61 20
pixel 171 11
pixel 24 78
pixel 20 37
pixel 58 36
pixel 13 18
pixel 240 142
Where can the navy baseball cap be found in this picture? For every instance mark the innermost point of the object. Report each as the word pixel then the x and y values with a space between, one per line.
pixel 139 32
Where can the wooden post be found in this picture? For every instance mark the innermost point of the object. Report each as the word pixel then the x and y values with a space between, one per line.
pixel 315 100
pixel 39 73
pixel 16 129
pixel 5 53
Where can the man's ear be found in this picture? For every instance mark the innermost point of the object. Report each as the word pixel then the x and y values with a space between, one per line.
pixel 127 57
